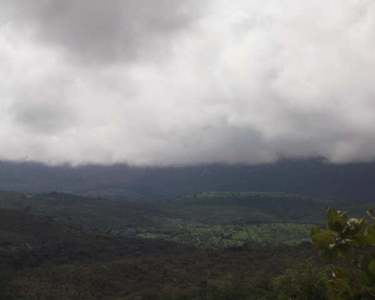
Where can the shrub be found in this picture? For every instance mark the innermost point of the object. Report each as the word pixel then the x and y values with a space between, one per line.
pixel 348 244
pixel 306 281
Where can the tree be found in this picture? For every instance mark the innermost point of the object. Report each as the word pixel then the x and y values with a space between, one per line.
pixel 348 244
pixel 305 281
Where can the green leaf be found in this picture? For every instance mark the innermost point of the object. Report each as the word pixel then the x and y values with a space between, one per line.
pixel 355 225
pixel 362 223
pixel 338 222
pixel 365 262
pixel 362 276
pixel 371 213
pixel 341 272
pixel 361 240
pixel 346 252
pixel 371 267
pixel 371 234
pixel 323 239
pixel 342 284
pixel 329 254
pixel 331 213
pixel 315 230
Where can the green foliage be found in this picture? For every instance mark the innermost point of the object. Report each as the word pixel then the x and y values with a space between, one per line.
pixel 152 269
pixel 220 236
pixel 306 281
pixel 348 243
pixel 259 207
pixel 208 220
pixel 45 257
pixel 59 246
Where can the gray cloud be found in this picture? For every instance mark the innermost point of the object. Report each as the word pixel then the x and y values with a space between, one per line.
pixel 43 117
pixel 107 31
pixel 181 82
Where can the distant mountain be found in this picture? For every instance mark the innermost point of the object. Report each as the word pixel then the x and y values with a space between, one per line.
pixel 314 177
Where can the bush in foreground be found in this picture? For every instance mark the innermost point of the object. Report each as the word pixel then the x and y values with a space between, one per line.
pixel 348 244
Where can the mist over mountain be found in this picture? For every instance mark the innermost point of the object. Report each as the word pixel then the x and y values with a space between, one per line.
pixel 190 149
pixel 314 177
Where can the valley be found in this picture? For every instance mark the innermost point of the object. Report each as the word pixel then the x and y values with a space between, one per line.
pixel 209 245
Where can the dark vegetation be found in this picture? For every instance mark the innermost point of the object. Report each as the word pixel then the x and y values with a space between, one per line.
pixel 313 177
pixel 207 220
pixel 211 245
pixel 45 259
pixel 349 245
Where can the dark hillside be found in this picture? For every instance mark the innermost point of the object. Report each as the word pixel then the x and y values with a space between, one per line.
pixel 44 256
pixel 41 258
pixel 44 259
pixel 313 177
pixel 27 240
pixel 207 220
pixel 279 207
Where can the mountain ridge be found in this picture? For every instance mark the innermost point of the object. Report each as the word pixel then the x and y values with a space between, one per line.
pixel 312 177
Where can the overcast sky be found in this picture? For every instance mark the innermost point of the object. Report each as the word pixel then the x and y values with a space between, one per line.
pixel 186 81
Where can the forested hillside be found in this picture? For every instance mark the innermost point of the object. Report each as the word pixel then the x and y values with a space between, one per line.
pixel 313 177
pixel 211 245
pixel 207 220
pixel 42 258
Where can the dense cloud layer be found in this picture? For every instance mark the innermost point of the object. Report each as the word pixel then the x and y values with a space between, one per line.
pixel 179 82
pixel 106 31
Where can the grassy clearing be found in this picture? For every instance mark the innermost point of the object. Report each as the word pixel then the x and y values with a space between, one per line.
pixel 218 236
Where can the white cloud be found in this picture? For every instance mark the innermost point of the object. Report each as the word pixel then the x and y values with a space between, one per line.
pixel 148 83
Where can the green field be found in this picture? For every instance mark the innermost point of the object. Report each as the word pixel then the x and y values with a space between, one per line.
pixel 217 236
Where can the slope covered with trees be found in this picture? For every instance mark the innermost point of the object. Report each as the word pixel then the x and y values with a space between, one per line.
pixel 313 177
pixel 207 220
pixel 212 245
pixel 45 259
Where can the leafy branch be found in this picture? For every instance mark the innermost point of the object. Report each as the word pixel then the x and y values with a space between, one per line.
pixel 348 244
